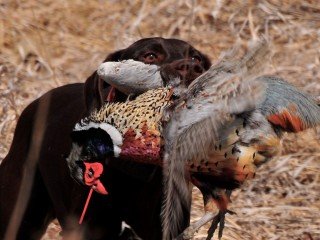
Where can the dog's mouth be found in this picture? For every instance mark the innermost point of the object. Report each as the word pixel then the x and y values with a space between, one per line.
pixel 111 94
pixel 114 95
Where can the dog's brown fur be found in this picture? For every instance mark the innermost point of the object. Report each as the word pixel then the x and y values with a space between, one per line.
pixel 54 194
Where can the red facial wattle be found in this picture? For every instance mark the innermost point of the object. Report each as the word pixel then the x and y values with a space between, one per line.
pixel 91 177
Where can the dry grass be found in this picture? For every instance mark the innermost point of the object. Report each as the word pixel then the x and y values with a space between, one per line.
pixel 45 44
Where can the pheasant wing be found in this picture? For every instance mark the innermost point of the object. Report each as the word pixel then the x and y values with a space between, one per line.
pixel 209 103
pixel 288 108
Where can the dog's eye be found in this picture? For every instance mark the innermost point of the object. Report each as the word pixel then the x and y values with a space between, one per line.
pixel 150 57
pixel 195 59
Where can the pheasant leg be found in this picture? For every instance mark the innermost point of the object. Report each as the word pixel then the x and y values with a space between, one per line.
pixel 218 219
pixel 213 198
pixel 221 200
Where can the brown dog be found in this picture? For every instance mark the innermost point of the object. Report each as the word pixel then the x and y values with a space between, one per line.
pixel 136 190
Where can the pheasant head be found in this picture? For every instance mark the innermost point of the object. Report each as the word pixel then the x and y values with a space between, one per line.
pixel 131 130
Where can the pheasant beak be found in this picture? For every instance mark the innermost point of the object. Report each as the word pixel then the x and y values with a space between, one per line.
pixel 91 177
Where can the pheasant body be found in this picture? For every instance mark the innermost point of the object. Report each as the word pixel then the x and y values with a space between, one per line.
pixel 235 158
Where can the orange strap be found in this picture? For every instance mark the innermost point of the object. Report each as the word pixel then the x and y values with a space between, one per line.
pixel 86 206
pixel 91 178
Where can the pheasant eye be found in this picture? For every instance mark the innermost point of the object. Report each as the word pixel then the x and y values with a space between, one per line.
pixel 101 148
pixel 150 58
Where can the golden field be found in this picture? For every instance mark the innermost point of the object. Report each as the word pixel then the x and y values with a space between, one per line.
pixel 45 44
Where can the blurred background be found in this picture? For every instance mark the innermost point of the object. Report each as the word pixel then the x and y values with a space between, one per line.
pixel 48 43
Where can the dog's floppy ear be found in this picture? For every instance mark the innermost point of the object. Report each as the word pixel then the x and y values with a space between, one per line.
pixel 92 92
pixel 206 62
pixel 113 57
pixel 95 89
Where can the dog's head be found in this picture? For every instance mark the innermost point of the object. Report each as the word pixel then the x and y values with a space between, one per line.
pixel 176 58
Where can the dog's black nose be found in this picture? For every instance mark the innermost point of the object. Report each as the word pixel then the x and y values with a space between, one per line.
pixel 187 68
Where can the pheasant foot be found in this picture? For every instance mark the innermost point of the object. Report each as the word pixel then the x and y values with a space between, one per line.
pixel 219 219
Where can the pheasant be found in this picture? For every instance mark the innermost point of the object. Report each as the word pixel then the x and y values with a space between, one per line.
pixel 215 133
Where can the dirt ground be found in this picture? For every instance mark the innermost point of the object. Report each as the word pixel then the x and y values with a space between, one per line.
pixel 45 44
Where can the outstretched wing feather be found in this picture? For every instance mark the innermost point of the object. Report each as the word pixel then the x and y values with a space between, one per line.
pixel 287 107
